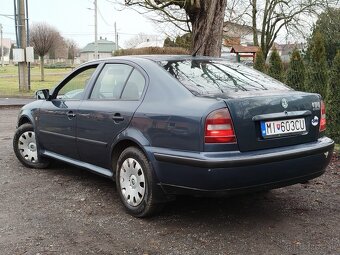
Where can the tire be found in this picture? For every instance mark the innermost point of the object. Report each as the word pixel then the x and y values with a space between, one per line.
pixel 136 185
pixel 25 147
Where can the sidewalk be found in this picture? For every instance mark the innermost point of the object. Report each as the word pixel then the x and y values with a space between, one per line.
pixel 15 101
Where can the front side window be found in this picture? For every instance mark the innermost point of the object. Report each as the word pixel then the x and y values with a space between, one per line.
pixel 204 77
pixel 74 88
pixel 111 81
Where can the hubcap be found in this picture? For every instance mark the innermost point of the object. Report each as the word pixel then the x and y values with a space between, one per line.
pixel 132 182
pixel 28 146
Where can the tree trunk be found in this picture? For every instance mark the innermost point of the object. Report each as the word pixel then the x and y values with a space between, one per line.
pixel 42 68
pixel 267 47
pixel 207 19
pixel 254 13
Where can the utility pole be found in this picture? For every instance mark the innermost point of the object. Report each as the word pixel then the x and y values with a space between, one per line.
pixel 28 44
pixel 117 41
pixel 116 37
pixel 23 85
pixel 2 48
pixel 95 31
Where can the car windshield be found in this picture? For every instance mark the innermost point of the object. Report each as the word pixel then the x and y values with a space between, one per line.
pixel 204 77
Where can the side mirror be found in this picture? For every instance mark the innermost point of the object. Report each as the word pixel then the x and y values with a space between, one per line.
pixel 42 94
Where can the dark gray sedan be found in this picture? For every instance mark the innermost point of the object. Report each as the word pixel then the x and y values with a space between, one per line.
pixel 162 126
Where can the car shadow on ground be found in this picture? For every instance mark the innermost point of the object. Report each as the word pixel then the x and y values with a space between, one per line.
pixel 255 206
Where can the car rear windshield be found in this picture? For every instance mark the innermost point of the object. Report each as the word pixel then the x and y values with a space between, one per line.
pixel 204 77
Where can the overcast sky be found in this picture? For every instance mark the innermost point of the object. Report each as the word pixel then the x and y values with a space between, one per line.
pixel 74 20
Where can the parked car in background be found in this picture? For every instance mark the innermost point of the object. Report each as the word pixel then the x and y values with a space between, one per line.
pixel 162 126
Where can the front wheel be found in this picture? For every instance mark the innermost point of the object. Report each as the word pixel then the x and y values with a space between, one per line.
pixel 25 147
pixel 135 183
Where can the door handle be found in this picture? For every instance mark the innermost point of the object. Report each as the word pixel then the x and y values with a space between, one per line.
pixel 117 117
pixel 70 114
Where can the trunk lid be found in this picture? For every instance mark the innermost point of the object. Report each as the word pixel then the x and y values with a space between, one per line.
pixel 252 111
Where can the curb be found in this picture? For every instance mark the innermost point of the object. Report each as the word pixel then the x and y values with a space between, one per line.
pixel 14 102
pixel 2 106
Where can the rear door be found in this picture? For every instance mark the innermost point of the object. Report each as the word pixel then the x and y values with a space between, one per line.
pixel 57 117
pixel 107 112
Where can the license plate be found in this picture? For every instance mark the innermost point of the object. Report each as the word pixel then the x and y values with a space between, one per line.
pixel 282 127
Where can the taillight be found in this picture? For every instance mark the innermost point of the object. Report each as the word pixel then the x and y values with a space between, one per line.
pixel 323 117
pixel 219 127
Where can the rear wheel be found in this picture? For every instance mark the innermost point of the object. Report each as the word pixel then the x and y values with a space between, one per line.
pixel 135 183
pixel 25 147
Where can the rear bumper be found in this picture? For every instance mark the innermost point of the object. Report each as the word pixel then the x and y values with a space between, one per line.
pixel 227 172
pixel 180 190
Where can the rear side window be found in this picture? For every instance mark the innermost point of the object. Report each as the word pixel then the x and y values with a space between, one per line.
pixel 204 77
pixel 134 87
pixel 111 81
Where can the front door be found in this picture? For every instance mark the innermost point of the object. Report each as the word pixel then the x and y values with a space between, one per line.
pixel 57 117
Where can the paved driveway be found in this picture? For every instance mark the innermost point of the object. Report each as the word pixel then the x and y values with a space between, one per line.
pixel 66 210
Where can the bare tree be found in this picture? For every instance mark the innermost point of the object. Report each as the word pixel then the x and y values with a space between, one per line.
pixel 43 38
pixel 138 39
pixel 6 50
pixel 59 49
pixel 203 18
pixel 73 49
pixel 270 19
pixel 272 16
pixel 236 11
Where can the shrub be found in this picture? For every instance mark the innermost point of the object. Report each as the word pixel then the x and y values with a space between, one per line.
pixel 333 101
pixel 58 65
pixel 296 72
pixel 275 66
pixel 260 63
pixel 169 43
pixel 317 76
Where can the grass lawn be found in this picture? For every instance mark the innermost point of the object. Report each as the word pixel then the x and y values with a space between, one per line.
pixel 9 82
pixel 35 70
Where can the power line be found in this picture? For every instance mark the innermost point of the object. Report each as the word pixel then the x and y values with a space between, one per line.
pixel 113 2
pixel 90 34
pixel 101 15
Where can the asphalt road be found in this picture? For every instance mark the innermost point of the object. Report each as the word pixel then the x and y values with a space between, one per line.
pixel 66 210
pixel 14 102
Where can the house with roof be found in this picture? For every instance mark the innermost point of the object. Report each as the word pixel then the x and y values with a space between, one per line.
pixel 235 35
pixel 245 54
pixel 285 50
pixel 238 34
pixel 7 43
pixel 106 49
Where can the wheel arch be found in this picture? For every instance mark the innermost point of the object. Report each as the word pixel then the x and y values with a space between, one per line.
pixel 124 142
pixel 129 137
pixel 23 120
pixel 119 148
